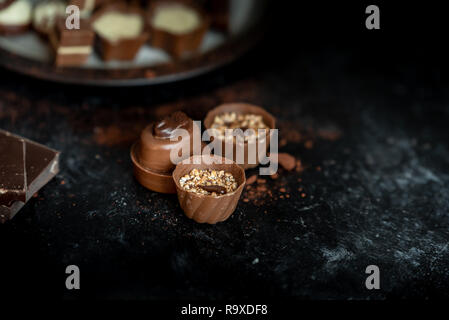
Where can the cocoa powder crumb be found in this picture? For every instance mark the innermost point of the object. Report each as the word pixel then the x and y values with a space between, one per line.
pixel 299 167
pixel 287 161
pixel 308 144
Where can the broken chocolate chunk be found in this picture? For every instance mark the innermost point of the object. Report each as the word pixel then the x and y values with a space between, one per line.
pixel 26 166
pixel 13 182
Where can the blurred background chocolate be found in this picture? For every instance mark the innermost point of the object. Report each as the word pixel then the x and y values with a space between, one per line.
pixel 72 47
pixel 137 43
pixel 121 31
pixel 15 17
pixel 46 14
pixel 177 27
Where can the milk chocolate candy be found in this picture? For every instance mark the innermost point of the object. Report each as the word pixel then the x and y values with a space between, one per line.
pixel 72 46
pixel 15 17
pixel 25 168
pixel 203 208
pixel 177 26
pixel 150 155
pixel 243 108
pixel 121 31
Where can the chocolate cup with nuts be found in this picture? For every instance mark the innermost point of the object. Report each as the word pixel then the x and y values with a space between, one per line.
pixel 208 208
pixel 242 108
pixel 176 44
pixel 122 48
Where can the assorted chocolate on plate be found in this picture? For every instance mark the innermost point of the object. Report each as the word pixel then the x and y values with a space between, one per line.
pixel 120 27
pixel 25 167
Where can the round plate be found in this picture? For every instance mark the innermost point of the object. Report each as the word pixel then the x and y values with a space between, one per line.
pixel 29 54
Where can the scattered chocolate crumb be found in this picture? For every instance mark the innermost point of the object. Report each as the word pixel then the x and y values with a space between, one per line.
pixel 261 181
pixel 251 180
pixel 330 134
pixel 299 167
pixel 283 143
pixel 303 195
pixel 274 176
pixel 308 144
pixel 282 190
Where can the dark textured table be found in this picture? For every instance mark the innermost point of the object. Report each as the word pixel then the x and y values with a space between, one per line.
pixel 369 126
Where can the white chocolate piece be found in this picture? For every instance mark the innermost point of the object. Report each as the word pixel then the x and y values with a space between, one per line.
pixel 17 14
pixel 176 19
pixel 46 13
pixel 115 25
pixel 87 9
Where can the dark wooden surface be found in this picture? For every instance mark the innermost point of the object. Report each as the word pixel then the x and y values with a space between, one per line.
pixel 366 114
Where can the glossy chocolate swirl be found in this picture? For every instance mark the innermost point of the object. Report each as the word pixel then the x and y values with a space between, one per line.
pixel 165 128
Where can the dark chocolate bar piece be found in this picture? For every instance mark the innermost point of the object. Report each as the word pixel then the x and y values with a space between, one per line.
pixel 13 183
pixel 40 166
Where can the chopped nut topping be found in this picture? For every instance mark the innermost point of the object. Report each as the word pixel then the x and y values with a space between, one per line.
pixel 208 182
pixel 232 120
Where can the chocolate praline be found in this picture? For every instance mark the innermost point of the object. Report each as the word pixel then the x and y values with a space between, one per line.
pixel 242 108
pixel 151 154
